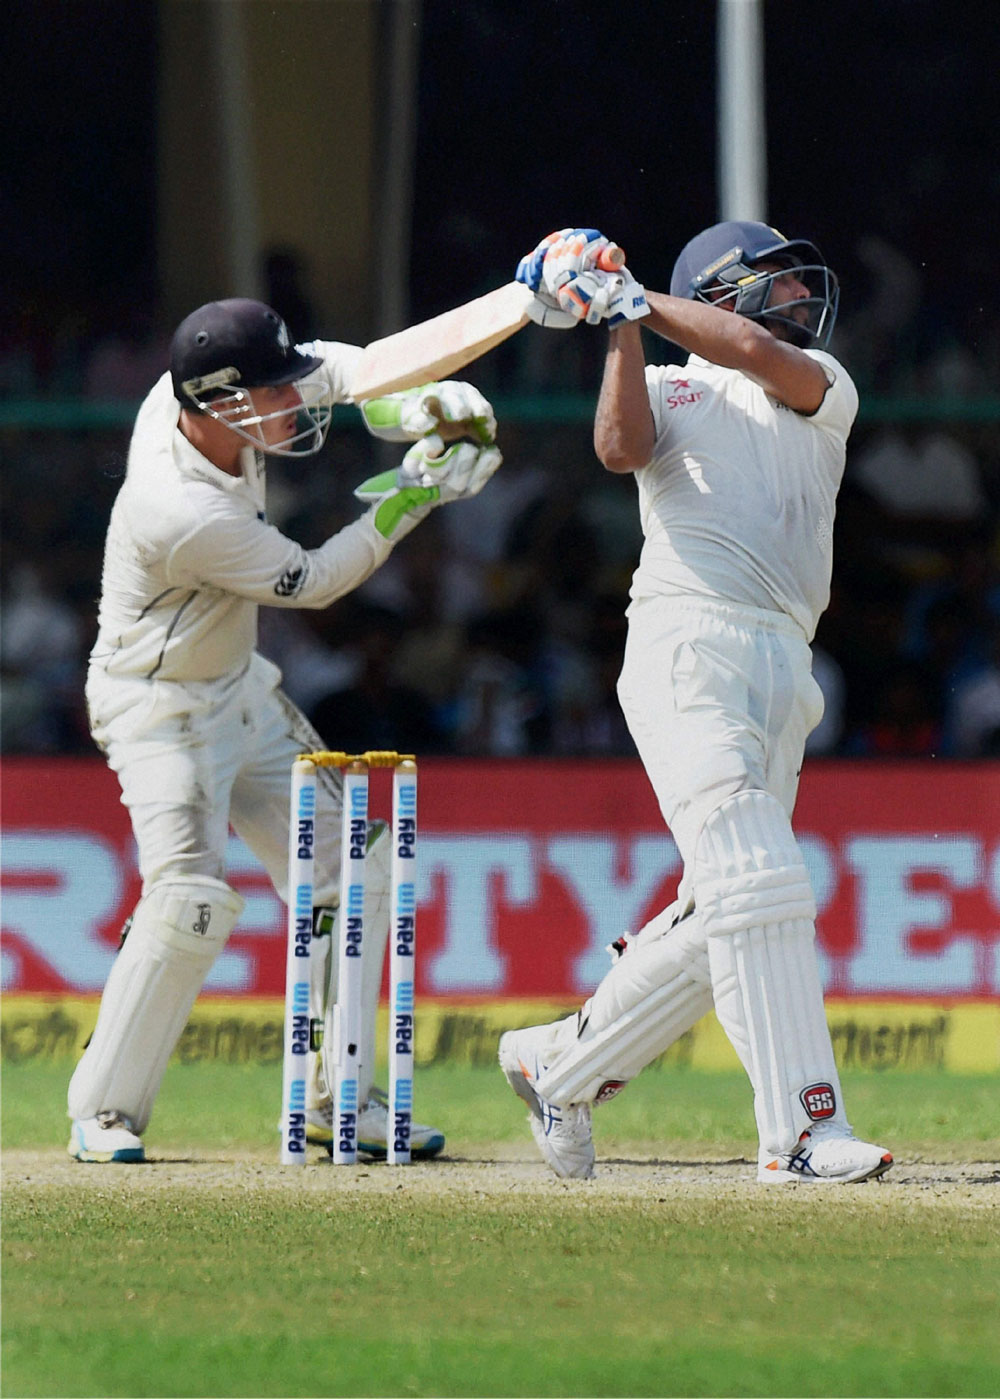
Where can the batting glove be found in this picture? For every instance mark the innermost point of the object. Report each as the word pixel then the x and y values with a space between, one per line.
pixel 570 256
pixel 529 269
pixel 596 296
pixel 628 301
pixel 430 474
pixel 451 408
pixel 545 309
pixel 587 295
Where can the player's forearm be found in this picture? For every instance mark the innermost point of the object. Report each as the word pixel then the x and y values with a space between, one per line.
pixel 257 562
pixel 735 342
pixel 624 433
pixel 340 565
pixel 716 335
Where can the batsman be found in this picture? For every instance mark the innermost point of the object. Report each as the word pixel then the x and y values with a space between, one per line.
pixel 191 716
pixel 737 455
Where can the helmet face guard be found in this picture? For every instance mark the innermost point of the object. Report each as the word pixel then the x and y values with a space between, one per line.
pixel 235 409
pixel 808 321
pixel 719 266
pixel 227 350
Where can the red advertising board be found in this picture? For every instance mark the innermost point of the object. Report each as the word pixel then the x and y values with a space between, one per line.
pixel 529 868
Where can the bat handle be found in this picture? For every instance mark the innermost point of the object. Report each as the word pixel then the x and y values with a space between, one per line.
pixel 611 258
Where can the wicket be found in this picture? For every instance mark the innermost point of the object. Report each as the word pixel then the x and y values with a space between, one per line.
pixel 350 942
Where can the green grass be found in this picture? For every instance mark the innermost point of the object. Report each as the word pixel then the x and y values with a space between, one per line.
pixel 216 1105
pixel 261 1284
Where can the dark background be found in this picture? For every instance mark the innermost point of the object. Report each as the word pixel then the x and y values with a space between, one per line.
pixel 883 120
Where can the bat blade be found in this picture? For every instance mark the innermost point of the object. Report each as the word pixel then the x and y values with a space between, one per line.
pixel 434 349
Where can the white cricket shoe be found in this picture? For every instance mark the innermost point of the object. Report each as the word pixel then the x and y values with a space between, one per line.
pixel 373 1129
pixel 825 1155
pixel 563 1135
pixel 106 1137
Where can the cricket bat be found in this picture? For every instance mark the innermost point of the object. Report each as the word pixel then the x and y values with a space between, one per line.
pixel 434 349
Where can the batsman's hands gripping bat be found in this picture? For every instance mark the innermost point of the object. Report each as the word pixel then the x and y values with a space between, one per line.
pixel 568 272
pixel 451 409
pixel 627 300
pixel 574 272
pixel 430 474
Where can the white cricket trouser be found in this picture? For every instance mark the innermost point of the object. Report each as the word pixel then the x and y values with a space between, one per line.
pixel 193 759
pixel 719 699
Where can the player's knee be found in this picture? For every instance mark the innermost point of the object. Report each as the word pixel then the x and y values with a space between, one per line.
pixel 748 868
pixel 187 915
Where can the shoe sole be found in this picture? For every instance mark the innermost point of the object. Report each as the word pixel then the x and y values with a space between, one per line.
pixel 766 1177
pixel 433 1147
pixel 130 1155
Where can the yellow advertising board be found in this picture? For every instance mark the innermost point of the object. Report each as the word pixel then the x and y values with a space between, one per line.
pixel 880 1036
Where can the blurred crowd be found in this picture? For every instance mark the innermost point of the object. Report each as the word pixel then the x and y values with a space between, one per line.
pixel 497 627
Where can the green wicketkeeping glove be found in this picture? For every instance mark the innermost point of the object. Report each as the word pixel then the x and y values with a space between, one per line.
pixel 451 409
pixel 430 474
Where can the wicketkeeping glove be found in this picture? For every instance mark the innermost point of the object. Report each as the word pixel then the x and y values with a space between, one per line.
pixel 430 474
pixel 451 408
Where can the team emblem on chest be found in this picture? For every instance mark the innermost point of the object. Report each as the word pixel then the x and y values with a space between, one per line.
pixel 683 393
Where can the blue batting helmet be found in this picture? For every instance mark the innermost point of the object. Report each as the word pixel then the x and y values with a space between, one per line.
pixel 719 264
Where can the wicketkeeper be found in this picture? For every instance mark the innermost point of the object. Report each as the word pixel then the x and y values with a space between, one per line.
pixel 191 716
pixel 738 455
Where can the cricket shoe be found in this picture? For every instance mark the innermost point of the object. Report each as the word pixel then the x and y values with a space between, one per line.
pixel 373 1130
pixel 562 1135
pixel 106 1137
pixel 825 1155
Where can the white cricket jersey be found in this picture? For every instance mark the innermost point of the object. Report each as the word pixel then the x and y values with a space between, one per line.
pixel 737 501
pixel 189 555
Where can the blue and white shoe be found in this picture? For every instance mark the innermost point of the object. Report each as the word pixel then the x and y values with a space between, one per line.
pixel 373 1129
pixel 824 1155
pixel 563 1135
pixel 106 1137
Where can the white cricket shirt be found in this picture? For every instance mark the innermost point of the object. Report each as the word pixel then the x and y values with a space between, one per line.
pixel 189 555
pixel 738 499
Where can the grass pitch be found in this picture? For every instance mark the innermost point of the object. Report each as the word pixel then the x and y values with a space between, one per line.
pixel 212 1271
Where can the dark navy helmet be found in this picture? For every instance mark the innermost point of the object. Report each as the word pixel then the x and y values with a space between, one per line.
pixel 234 342
pixel 719 265
pixel 226 349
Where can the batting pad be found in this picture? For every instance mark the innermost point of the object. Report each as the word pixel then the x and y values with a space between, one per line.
pixel 178 929
pixel 654 994
pixel 758 912
pixel 323 972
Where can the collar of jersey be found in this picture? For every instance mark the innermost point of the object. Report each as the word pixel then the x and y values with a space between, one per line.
pixel 191 464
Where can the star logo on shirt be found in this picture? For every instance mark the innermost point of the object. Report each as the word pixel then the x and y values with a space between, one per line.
pixel 683 393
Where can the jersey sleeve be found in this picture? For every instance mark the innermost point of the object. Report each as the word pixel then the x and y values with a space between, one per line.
pixel 840 405
pixel 341 361
pixel 240 554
